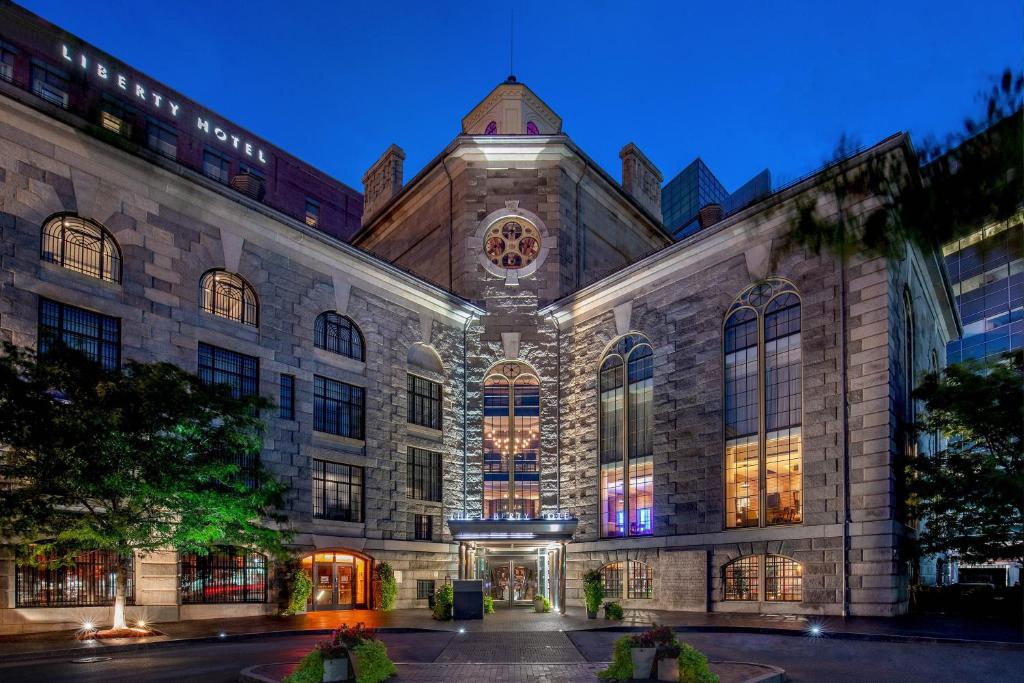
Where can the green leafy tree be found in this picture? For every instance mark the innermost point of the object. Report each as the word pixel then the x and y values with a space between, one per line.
pixel 970 494
pixel 129 461
pixel 876 206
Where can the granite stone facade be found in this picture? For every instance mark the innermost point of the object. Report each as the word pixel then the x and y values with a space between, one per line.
pixel 428 301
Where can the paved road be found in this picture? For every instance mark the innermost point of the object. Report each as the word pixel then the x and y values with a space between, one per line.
pixel 805 659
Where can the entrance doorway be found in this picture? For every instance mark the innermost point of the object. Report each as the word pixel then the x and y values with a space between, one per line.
pixel 339 580
pixel 513 582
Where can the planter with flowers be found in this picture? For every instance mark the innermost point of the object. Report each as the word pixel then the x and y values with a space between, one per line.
pixel 634 656
pixel 352 653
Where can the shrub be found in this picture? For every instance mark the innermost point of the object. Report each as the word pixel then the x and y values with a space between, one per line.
pixel 621 668
pixel 693 666
pixel 613 610
pixel 309 670
pixel 350 636
pixel 593 590
pixel 443 603
pixel 547 603
pixel 374 665
pixel 301 589
pixel 488 604
pixel 388 586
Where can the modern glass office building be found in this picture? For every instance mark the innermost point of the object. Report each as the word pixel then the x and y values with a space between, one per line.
pixel 987 273
pixel 683 196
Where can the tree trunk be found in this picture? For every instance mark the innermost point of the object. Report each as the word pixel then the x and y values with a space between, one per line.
pixel 121 590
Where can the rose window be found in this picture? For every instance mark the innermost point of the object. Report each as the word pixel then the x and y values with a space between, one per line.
pixel 513 243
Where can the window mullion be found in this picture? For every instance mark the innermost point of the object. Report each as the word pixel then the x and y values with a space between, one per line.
pixel 762 432
pixel 624 438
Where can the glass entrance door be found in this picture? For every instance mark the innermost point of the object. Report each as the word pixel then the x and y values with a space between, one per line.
pixel 343 575
pixel 339 580
pixel 512 582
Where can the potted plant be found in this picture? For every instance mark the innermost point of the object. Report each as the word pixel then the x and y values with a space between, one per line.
pixel 593 592
pixel 642 652
pixel 336 661
pixel 668 661
pixel 613 611
pixel 538 603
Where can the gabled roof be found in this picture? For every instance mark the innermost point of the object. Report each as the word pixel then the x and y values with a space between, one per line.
pixel 511 107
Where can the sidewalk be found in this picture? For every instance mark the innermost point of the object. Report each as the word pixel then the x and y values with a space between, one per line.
pixel 908 628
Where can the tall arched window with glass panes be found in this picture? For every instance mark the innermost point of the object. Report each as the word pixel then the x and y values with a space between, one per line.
pixel 625 438
pixel 511 441
pixel 763 407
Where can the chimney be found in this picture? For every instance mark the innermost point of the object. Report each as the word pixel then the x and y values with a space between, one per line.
pixel 709 214
pixel 641 179
pixel 382 181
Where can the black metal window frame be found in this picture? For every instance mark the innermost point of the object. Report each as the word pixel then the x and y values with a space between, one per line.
pixel 82 246
pixel 46 79
pixel 229 295
pixel 425 588
pixel 160 136
pixel 225 575
pixel 338 334
pixel 424 528
pixel 286 406
pixel 120 115
pixel 7 57
pixel 89 582
pixel 223 366
pixel 212 159
pixel 96 335
pixel 338 408
pixel 612 575
pixel 640 580
pixel 423 480
pixel 337 491
pixel 425 399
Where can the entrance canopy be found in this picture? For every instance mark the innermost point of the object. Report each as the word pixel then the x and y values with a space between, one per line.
pixel 546 529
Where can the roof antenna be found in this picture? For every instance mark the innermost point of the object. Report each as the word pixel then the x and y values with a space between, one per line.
pixel 511 43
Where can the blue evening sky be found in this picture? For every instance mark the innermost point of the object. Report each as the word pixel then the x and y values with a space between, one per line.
pixel 744 85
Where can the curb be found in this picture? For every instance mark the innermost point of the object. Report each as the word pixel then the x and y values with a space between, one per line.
pixel 750 630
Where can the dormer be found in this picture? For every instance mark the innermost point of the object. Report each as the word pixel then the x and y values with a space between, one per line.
pixel 511 109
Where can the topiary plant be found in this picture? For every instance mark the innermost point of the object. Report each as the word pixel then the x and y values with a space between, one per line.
pixel 593 590
pixel 693 666
pixel 301 589
pixel 388 586
pixel 613 610
pixel 443 602
pixel 488 604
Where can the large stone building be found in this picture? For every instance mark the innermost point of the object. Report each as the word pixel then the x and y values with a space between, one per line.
pixel 510 371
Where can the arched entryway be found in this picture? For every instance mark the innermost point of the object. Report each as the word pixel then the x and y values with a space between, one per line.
pixel 341 579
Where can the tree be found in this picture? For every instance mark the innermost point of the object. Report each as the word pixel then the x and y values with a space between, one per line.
pixel 130 460
pixel 970 494
pixel 945 190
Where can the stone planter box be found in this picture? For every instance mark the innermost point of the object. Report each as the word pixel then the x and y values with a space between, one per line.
pixel 335 669
pixel 643 661
pixel 668 669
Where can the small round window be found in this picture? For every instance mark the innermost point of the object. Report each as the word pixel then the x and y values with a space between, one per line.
pixel 512 243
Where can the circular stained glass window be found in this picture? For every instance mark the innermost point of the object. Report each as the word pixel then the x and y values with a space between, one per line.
pixel 512 243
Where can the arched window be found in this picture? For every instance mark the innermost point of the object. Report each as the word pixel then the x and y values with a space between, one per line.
pixel 783 579
pixel 82 246
pixel 492 128
pixel 630 579
pixel 338 334
pixel 511 441
pixel 229 296
pixel 626 447
pixel 763 469
pixel 225 574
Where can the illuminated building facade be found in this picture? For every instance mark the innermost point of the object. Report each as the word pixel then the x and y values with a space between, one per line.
pixel 509 371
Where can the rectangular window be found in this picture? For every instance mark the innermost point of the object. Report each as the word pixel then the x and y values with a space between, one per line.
pixel 89 581
pixel 162 138
pixel 641 581
pixel 337 491
pixel 50 83
pixel 115 117
pixel 312 213
pixel 424 404
pixel 424 475
pixel 287 404
pixel 216 166
pixel 424 589
pixel 741 579
pixel 424 528
pixel 225 575
pixel 7 53
pixel 97 336
pixel 238 371
pixel 612 574
pixel 613 499
pixel 337 407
